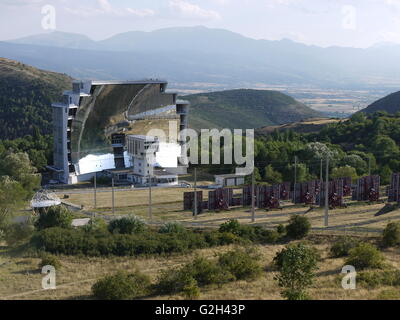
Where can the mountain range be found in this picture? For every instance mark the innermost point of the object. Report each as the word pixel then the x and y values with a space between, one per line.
pixel 214 56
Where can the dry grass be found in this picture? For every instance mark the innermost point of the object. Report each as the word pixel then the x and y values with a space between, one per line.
pixel 20 277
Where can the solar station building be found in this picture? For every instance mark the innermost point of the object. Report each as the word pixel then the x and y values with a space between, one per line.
pixel 104 127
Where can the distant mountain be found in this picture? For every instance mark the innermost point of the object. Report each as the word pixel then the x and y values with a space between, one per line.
pixel 390 104
pixel 26 94
pixel 60 40
pixel 212 56
pixel 245 109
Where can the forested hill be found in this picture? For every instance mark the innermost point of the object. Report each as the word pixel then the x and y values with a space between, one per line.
pixel 245 108
pixel 390 104
pixel 26 94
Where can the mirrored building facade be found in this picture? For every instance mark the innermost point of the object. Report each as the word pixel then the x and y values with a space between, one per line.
pixel 93 122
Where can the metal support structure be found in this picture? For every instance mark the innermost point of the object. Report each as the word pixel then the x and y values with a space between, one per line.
pixel 253 211
pixel 321 178
pixel 369 166
pixel 295 179
pixel 150 201
pixel 113 194
pixel 95 190
pixel 327 193
pixel 195 194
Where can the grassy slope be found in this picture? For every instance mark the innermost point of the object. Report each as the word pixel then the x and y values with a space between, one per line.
pixel 26 94
pixel 245 108
pixel 20 276
pixel 390 103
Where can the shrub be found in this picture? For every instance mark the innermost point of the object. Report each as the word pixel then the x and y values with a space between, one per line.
pixel 172 227
pixel 253 234
pixel 191 290
pixel 391 234
pixel 95 224
pixel 298 227
pixel 122 286
pixel 342 247
pixel 281 229
pixel 207 272
pixel 127 225
pixel 243 264
pixel 57 216
pixel 50 260
pixel 172 281
pixel 365 256
pixel 375 279
pixel 231 226
pixel 16 233
pixel 296 265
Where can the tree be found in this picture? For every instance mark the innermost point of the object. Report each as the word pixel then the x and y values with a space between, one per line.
pixel 355 161
pixel 19 168
pixel 343 172
pixel 386 174
pixel 298 227
pixel 11 198
pixel 56 216
pixel 272 176
pixel 296 265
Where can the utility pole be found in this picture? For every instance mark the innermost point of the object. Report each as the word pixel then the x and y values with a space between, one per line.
pixel 322 181
pixel 397 188
pixel 150 201
pixel 253 211
pixel 369 166
pixel 295 179
pixel 113 195
pixel 195 193
pixel 327 193
pixel 95 190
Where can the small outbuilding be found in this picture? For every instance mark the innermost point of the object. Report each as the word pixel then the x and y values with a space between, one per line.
pixel 229 180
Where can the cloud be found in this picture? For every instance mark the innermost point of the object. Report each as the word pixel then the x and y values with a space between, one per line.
pixel 184 9
pixel 104 7
pixel 20 3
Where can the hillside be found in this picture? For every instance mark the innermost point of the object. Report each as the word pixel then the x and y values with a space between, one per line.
pixel 390 104
pixel 245 108
pixel 307 126
pixel 26 94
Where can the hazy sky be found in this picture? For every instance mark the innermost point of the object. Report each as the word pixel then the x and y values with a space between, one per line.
pixel 358 23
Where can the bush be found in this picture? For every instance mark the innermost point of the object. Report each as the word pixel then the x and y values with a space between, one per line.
pixel 50 260
pixel 231 226
pixel 253 234
pixel 281 229
pixel 375 279
pixel 342 247
pixel 122 286
pixel 172 281
pixel 172 227
pixel 391 234
pixel 57 216
pixel 365 256
pixel 298 227
pixel 207 272
pixel 243 264
pixel 191 290
pixel 16 233
pixel 296 265
pixel 128 225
